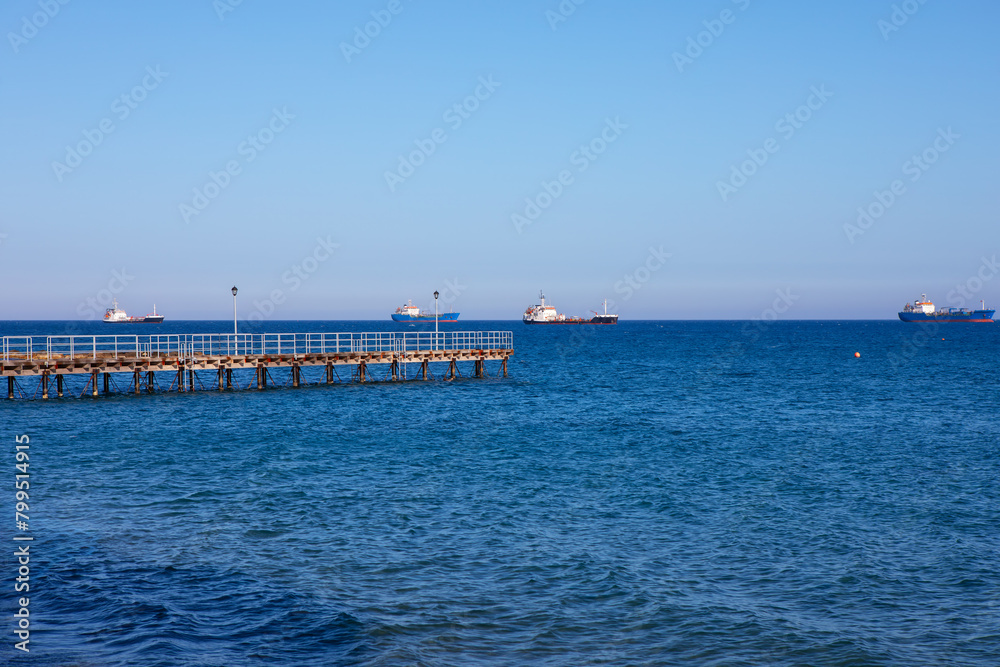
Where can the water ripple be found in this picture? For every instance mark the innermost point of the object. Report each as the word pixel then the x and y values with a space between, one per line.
pixel 669 502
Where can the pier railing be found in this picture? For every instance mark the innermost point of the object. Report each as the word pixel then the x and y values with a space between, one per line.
pixel 193 345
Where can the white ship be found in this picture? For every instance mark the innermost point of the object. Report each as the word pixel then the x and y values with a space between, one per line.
pixel 115 315
pixel 543 313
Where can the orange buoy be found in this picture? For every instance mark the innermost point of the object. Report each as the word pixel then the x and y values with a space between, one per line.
pixel 857 355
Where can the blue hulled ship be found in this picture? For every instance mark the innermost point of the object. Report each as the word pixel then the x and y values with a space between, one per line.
pixel 922 310
pixel 410 313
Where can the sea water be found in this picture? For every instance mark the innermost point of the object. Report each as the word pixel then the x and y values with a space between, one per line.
pixel 651 493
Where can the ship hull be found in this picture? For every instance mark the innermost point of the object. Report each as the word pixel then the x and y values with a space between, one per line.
pixel 137 320
pixel 973 316
pixel 442 317
pixel 595 320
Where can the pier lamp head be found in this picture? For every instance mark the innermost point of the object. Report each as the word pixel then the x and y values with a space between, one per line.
pixel 435 295
pixel 234 290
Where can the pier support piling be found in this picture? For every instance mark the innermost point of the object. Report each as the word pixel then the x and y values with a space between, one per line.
pixel 149 382
pixel 229 378
pixel 45 384
pixel 59 386
pixel 361 371
pixel 107 383
pixel 395 370
pixel 190 379
pixel 220 378
pixel 93 382
pixel 503 365
pixel 10 386
pixel 136 382
pixel 329 372
pixel 451 370
pixel 295 375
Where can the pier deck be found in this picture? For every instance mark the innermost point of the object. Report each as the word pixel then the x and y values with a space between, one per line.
pixel 144 356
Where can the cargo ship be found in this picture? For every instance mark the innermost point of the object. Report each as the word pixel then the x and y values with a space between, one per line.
pixel 547 314
pixel 922 310
pixel 410 313
pixel 115 315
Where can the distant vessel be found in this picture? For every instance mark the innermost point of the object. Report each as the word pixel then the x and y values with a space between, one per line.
pixel 922 310
pixel 116 315
pixel 546 314
pixel 410 313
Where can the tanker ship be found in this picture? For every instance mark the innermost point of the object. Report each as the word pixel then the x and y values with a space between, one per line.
pixel 410 313
pixel 922 310
pixel 547 314
pixel 115 315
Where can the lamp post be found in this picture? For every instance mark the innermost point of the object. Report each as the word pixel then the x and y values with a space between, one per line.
pixel 234 309
pixel 435 318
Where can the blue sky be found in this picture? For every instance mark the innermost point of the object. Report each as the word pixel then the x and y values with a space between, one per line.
pixel 644 125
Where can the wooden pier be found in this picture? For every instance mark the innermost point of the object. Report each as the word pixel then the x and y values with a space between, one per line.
pixel 184 360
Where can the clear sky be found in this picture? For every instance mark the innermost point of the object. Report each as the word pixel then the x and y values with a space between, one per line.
pixel 590 141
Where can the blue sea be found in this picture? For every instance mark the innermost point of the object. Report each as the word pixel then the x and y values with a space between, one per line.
pixel 652 493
